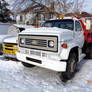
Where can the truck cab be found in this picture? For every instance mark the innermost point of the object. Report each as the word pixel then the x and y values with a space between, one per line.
pixel 57 45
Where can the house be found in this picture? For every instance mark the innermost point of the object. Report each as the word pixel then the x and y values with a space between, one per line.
pixel 36 14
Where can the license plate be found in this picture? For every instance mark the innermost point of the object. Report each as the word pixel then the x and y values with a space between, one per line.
pixel 35 53
pixel 30 52
pixel 27 52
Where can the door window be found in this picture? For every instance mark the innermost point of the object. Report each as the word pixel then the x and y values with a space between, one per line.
pixel 78 26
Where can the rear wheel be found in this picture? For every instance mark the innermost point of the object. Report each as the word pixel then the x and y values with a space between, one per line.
pixel 71 67
pixel 89 52
pixel 27 65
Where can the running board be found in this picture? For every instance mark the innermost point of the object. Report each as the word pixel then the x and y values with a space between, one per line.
pixel 81 56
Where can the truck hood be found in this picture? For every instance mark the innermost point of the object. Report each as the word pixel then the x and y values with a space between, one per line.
pixel 63 34
pixel 2 37
pixel 11 40
pixel 23 26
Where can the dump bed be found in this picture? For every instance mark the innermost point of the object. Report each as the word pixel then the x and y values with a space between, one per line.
pixel 87 32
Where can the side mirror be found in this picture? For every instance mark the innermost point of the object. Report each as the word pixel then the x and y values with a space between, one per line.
pixel 88 24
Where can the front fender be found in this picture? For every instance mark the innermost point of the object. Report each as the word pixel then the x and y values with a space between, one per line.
pixel 65 51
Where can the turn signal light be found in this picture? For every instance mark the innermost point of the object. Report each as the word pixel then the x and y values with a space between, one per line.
pixel 36 27
pixel 64 45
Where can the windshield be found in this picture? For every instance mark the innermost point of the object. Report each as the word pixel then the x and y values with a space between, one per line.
pixel 64 23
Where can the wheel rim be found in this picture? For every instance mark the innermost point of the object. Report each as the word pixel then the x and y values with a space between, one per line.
pixel 73 66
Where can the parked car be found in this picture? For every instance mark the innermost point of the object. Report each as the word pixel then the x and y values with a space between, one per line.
pixel 10 47
pixel 10 43
pixel 2 37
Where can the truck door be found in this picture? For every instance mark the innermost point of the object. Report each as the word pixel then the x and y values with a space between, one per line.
pixel 79 34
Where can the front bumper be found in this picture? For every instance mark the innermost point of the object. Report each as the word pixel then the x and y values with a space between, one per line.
pixel 8 55
pixel 54 65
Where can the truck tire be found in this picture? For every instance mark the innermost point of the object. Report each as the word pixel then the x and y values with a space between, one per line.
pixel 71 67
pixel 90 52
pixel 27 65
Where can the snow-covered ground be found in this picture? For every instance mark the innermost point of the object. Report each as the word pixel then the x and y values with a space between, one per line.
pixel 4 28
pixel 16 78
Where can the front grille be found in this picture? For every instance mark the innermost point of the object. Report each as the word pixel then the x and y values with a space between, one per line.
pixel 39 42
pixel 7 45
pixel 10 44
pixel 10 48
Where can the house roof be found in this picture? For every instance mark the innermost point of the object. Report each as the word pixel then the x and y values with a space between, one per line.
pixel 83 14
pixel 37 7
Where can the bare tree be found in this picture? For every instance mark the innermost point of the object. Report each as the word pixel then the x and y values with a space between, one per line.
pixel 78 6
pixel 64 6
pixel 61 6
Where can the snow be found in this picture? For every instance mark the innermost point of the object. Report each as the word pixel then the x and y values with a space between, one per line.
pixel 11 39
pixel 14 77
pixel 4 28
pixel 4 31
pixel 23 26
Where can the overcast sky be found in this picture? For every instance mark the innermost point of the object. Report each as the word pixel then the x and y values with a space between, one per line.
pixel 87 5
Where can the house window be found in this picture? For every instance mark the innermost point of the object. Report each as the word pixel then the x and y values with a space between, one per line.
pixel 47 16
pixel 78 26
pixel 21 19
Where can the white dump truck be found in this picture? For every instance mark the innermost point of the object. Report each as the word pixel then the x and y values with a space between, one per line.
pixel 57 45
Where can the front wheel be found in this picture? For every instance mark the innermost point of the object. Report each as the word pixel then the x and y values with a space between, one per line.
pixel 71 67
pixel 27 65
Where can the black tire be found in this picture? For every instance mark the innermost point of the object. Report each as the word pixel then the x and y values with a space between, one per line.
pixel 71 67
pixel 90 52
pixel 1 53
pixel 27 65
pixel 6 58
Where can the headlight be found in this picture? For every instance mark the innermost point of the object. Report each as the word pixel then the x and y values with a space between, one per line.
pixel 22 40
pixel 51 44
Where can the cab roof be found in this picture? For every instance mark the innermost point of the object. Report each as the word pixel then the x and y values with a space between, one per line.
pixel 73 18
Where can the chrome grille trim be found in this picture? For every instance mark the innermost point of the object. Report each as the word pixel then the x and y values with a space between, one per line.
pixel 37 44
pixel 42 43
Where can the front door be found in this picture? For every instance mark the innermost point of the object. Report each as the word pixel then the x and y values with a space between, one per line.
pixel 79 34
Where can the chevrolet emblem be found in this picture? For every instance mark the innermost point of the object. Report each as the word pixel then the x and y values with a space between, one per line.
pixel 34 42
